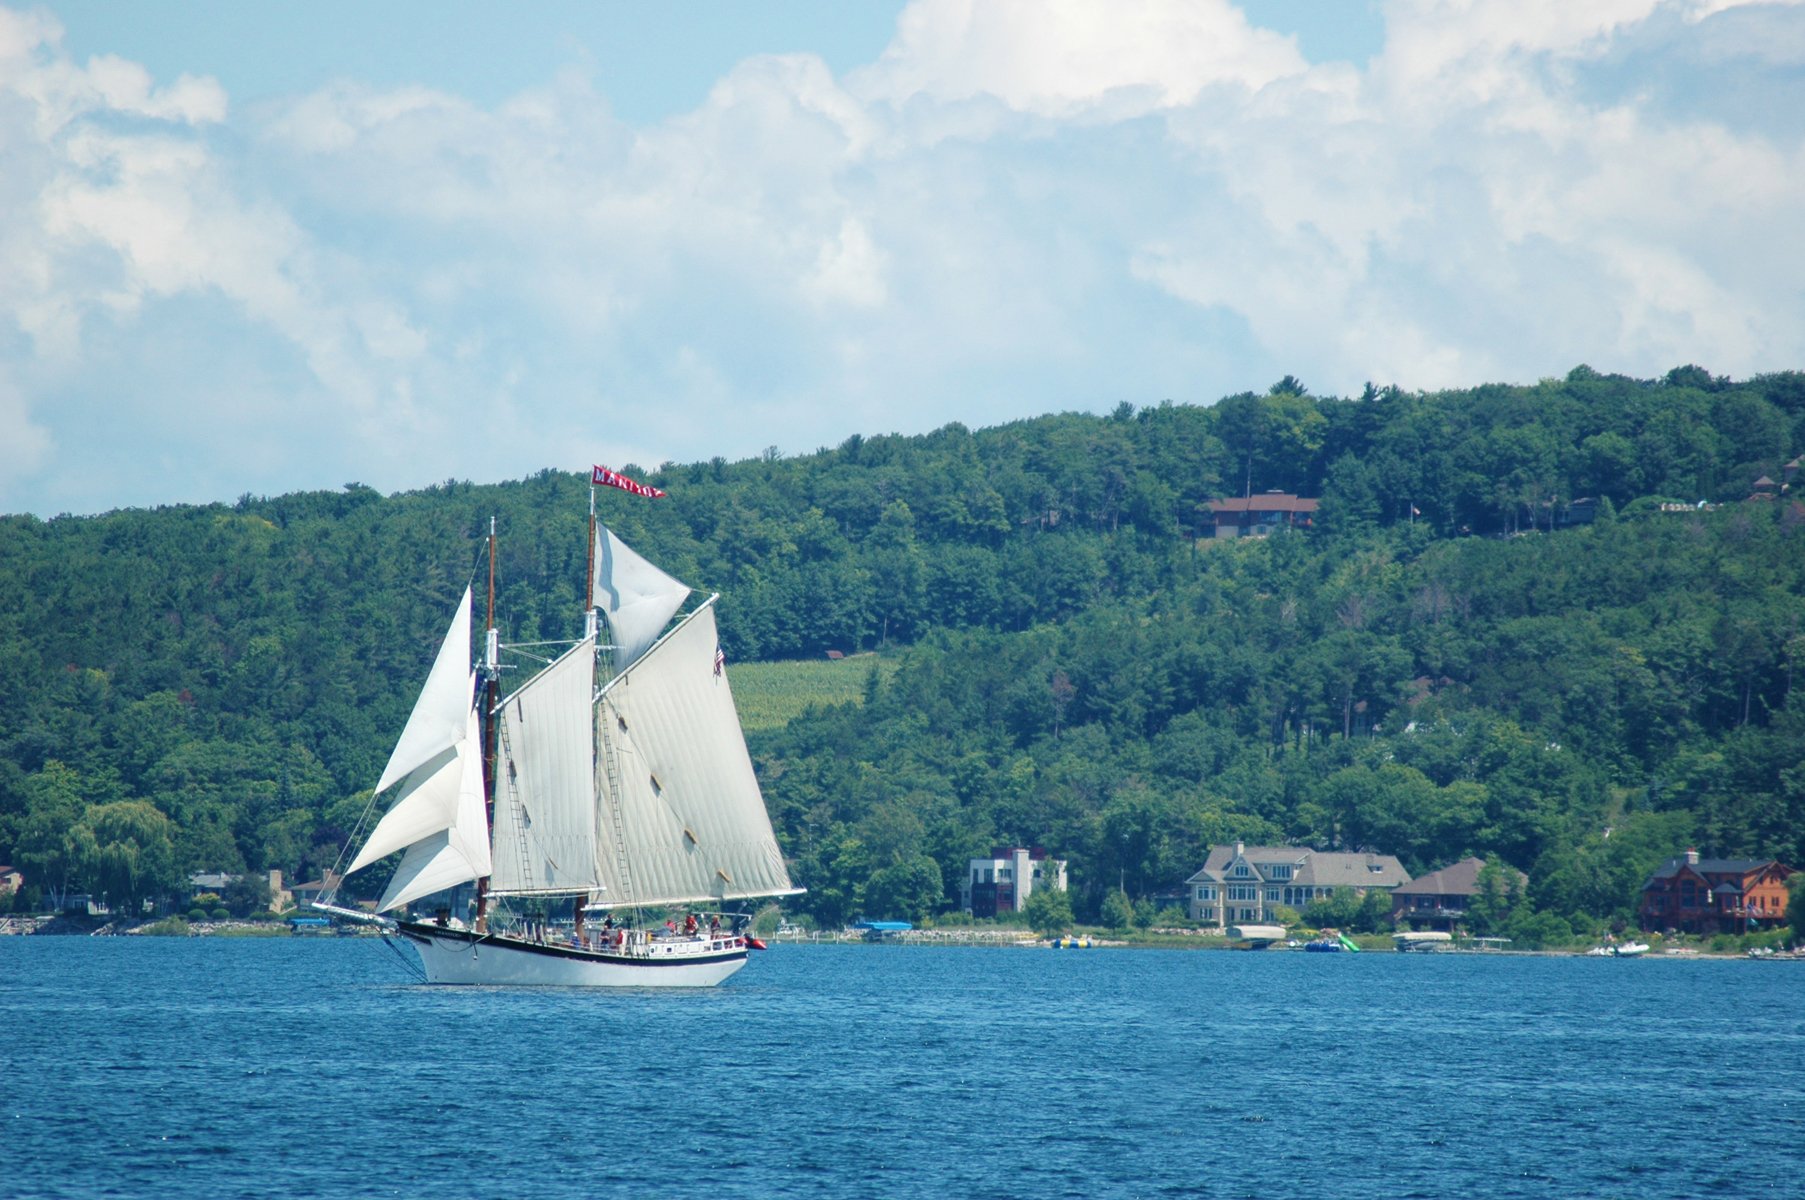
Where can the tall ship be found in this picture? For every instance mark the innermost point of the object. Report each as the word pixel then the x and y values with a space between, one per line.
pixel 613 780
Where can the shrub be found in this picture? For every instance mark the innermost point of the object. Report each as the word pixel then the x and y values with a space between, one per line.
pixel 220 914
pixel 197 914
pixel 167 927
pixel 1117 911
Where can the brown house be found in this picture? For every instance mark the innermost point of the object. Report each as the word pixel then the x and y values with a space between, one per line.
pixel 1441 899
pixel 1257 516
pixel 1715 895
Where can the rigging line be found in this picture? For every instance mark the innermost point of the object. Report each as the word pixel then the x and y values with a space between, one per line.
pixel 351 839
pixel 413 968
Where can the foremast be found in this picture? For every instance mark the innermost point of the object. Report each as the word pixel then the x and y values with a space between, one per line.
pixel 491 676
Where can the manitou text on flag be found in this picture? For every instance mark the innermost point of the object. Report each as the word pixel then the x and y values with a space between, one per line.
pixel 615 479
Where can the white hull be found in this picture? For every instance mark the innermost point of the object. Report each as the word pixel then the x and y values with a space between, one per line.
pixel 457 957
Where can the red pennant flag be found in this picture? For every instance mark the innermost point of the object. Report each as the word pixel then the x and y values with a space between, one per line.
pixel 614 479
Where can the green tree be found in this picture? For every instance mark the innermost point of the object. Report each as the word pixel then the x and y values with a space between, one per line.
pixel 126 852
pixel 1338 910
pixel 1497 896
pixel 1049 911
pixel 1795 906
pixel 1117 912
pixel 246 894
pixel 909 890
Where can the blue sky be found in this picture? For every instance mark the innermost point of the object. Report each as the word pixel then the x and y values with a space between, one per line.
pixel 260 248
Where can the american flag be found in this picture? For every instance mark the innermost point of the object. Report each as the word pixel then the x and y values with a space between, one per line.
pixel 720 660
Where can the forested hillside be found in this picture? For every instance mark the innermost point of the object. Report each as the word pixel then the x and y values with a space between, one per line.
pixel 1438 667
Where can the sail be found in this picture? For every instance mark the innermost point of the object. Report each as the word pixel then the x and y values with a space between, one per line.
pixel 545 812
pixel 637 597
pixel 427 760
pixel 689 816
pixel 454 855
pixel 437 722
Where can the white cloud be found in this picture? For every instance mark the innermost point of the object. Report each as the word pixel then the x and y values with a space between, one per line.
pixel 1060 58
pixel 1018 207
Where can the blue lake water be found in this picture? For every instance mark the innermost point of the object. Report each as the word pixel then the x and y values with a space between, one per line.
pixel 314 1067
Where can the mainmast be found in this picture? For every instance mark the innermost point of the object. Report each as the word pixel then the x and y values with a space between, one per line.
pixel 491 700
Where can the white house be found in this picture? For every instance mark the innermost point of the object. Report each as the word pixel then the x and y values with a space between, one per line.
pixel 1004 881
pixel 1243 884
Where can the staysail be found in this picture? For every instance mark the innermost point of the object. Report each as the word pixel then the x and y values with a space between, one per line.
pixel 437 816
pixel 452 856
pixel 638 599
pixel 688 815
pixel 545 808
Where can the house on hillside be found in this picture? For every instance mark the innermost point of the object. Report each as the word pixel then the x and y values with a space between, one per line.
pixel 1244 885
pixel 1714 895
pixel 1441 899
pixel 1004 881
pixel 1261 515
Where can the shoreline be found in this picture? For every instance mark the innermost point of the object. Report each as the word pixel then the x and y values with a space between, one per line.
pixel 1006 939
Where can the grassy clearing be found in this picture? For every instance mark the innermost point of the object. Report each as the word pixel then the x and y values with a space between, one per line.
pixel 769 695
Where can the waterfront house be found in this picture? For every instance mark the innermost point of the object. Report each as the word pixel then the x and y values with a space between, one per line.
pixel 1261 515
pixel 1441 899
pixel 1004 881
pixel 1243 884
pixel 1715 895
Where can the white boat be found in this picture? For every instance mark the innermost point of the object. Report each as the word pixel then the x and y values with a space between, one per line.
pixel 1428 940
pixel 1619 950
pixel 618 781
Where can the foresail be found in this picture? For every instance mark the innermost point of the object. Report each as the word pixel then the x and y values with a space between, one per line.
pixel 691 819
pixel 637 598
pixel 437 722
pixel 428 802
pixel 451 856
pixel 545 810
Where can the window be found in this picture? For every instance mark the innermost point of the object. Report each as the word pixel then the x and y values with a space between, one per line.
pixel 1279 871
pixel 1272 895
pixel 1206 914
pixel 1242 871
pixel 1005 873
pixel 1243 891
pixel 1206 892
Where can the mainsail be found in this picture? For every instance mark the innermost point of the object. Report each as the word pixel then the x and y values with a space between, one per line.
pixel 687 817
pixel 437 816
pixel 545 807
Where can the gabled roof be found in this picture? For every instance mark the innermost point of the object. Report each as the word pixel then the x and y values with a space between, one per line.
pixel 1333 868
pixel 1458 879
pixel 1310 868
pixel 1221 856
pixel 1710 866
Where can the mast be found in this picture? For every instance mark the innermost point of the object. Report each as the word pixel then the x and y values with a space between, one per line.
pixel 589 631
pixel 491 698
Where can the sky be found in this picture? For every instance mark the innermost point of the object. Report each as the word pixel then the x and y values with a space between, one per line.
pixel 261 248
